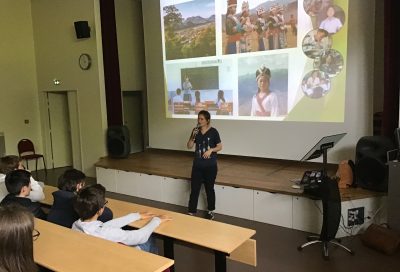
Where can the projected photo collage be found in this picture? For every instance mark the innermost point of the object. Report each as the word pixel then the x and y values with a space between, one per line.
pixel 248 59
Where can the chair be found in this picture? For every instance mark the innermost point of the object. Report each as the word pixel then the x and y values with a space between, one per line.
pixel 331 205
pixel 26 152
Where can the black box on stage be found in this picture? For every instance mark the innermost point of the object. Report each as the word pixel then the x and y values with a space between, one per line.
pixel 118 143
pixel 370 164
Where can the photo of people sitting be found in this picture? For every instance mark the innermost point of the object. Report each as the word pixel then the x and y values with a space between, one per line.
pixel 316 84
pixel 214 101
pixel 331 62
pixel 259 27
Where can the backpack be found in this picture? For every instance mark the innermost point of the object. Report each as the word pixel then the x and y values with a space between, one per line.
pixel 346 174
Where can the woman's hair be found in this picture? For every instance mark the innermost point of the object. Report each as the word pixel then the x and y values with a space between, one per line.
pixel 205 114
pixel 70 179
pixel 9 163
pixel 16 242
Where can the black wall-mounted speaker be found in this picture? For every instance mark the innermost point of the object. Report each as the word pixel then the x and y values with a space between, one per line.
pixel 370 164
pixel 118 143
pixel 82 29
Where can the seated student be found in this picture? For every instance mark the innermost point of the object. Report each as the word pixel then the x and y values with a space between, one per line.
pixel 89 204
pixel 16 239
pixel 9 163
pixel 62 212
pixel 18 185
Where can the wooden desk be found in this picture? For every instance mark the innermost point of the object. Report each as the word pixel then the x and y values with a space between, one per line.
pixel 48 195
pixel 63 249
pixel 222 238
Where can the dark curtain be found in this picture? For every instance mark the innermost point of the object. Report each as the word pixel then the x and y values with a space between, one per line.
pixel 390 116
pixel 111 63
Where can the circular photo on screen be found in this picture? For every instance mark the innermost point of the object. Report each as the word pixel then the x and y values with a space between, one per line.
pixel 333 19
pixel 316 42
pixel 331 62
pixel 312 7
pixel 316 84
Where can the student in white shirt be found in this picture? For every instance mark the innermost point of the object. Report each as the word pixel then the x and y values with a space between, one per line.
pixel 10 163
pixel 89 205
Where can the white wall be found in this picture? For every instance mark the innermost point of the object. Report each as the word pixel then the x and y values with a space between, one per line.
pixel 283 140
pixel 57 52
pixel 18 94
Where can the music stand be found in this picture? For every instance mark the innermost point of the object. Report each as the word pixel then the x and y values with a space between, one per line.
pixel 321 148
pixel 330 196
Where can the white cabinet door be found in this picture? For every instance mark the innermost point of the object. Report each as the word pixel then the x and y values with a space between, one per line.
pixel 176 191
pixel 236 202
pixel 106 177
pixel 150 187
pixel 275 209
pixel 128 183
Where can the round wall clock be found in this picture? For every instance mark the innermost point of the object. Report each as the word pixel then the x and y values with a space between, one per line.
pixel 85 61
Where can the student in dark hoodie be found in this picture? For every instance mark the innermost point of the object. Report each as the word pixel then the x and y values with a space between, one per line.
pixel 18 185
pixel 62 212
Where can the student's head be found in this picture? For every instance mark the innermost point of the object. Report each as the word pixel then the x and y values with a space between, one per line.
pixel 16 239
pixel 18 182
pixel 72 180
pixel 263 76
pixel 330 12
pixel 178 91
pixel 9 163
pixel 90 201
pixel 203 117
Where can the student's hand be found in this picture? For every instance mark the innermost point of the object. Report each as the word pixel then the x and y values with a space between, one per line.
pixel 146 215
pixel 164 218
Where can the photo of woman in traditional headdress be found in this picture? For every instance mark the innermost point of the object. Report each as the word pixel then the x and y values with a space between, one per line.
pixel 264 102
pixel 263 86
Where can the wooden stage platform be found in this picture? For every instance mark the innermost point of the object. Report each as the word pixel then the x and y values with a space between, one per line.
pixel 262 174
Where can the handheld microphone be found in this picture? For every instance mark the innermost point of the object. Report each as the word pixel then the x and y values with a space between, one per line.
pixel 196 130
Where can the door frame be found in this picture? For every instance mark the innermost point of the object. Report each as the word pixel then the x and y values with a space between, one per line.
pixel 73 111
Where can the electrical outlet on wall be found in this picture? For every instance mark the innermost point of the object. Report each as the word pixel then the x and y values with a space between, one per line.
pixel 355 216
